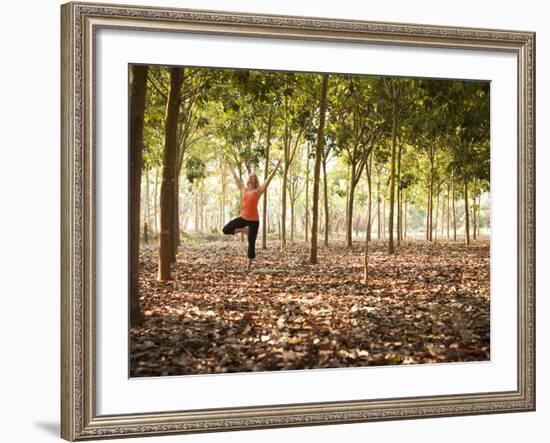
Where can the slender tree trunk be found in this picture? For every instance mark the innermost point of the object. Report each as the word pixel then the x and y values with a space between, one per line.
pixel 369 210
pixel 325 201
pixel 348 181
pixel 366 263
pixel 391 248
pixel 144 218
pixel 168 174
pixel 175 221
pixel 145 232
pixel 436 213
pixel 367 236
pixel 222 198
pixel 147 209
pixel 478 196
pixel 400 214
pixel 294 232
pixel 349 228
pixel 474 213
pixel 138 90
pixel 201 202
pixel 431 199
pixel 428 204
pixel 399 221
pixel 378 202
pixel 454 205
pixel 405 210
pixel 219 220
pixel 384 217
pixel 317 170
pixel 283 209
pixel 286 149
pixel 307 198
pixel 442 224
pixel 292 204
pixel 466 213
pixel 448 212
pixel 155 203
pixel 266 174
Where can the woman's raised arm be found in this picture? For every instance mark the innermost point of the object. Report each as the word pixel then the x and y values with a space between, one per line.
pixel 264 186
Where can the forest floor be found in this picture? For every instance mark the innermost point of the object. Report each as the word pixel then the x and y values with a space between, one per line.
pixel 428 303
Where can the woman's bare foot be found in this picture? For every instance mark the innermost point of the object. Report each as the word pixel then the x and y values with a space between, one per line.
pixel 243 230
pixel 249 265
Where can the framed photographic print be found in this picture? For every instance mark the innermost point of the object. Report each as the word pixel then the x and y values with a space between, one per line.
pixel 283 221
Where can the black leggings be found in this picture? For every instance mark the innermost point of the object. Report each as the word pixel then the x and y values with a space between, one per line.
pixel 253 226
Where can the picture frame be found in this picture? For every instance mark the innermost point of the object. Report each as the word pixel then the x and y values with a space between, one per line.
pixel 80 23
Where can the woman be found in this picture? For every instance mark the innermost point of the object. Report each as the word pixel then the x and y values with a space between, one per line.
pixel 249 220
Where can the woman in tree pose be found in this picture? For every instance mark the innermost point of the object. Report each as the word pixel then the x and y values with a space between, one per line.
pixel 249 219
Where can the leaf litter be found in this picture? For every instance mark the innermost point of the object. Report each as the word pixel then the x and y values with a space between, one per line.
pixel 429 303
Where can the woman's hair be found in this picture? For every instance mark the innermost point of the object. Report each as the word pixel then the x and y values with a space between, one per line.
pixel 256 181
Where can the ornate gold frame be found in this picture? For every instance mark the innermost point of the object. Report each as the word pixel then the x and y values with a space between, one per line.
pixel 79 23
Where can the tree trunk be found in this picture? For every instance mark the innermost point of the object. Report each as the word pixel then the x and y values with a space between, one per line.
pixel 428 215
pixel 221 210
pixel 348 181
pixel 292 207
pixel 399 218
pixel 317 170
pixel 391 249
pixel 474 213
pixel 201 202
pixel 138 90
pixel 454 206
pixel 266 174
pixel 307 198
pixel 145 227
pixel 175 221
pixel 378 202
pixel 366 262
pixel 399 221
pixel 369 210
pixel 442 219
pixel 349 227
pixel 286 149
pixel 147 210
pixel 145 232
pixel 167 191
pixel 466 213
pixel 155 203
pixel 283 208
pixel 431 205
pixel 384 217
pixel 405 219
pixel 436 214
pixel 325 201
pixel 448 212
